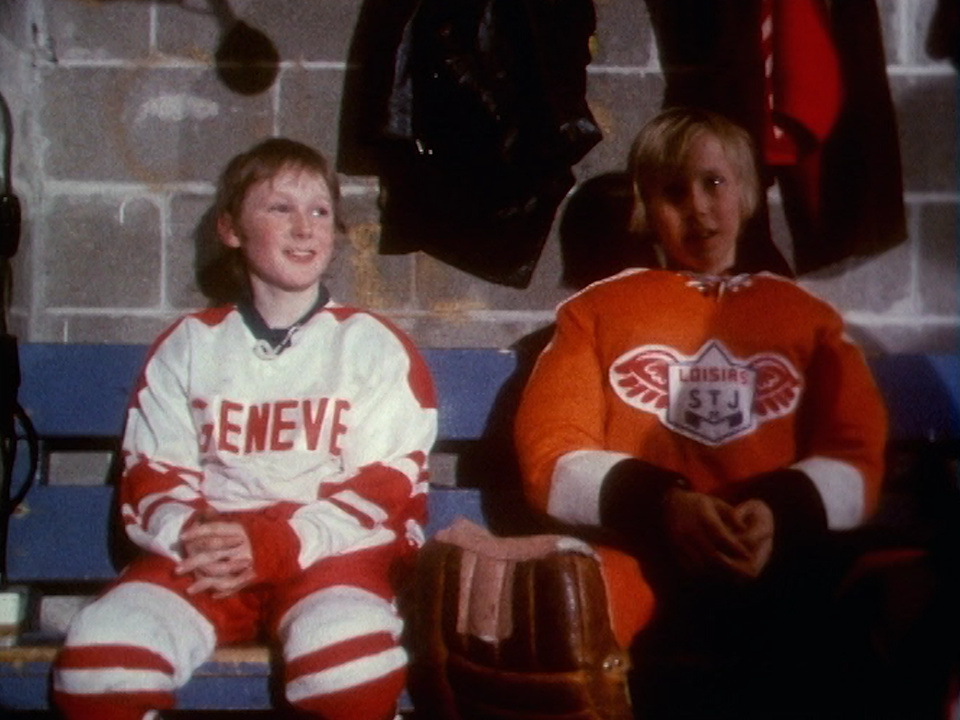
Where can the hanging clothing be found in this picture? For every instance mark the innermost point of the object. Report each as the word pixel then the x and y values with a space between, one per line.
pixel 485 117
pixel 842 187
pixel 943 35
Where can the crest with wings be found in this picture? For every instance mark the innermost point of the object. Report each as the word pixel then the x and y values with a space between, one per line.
pixel 711 396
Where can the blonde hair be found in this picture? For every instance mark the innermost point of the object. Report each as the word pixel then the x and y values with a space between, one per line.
pixel 664 141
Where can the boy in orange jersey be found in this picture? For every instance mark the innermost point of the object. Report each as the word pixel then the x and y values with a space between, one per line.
pixel 723 433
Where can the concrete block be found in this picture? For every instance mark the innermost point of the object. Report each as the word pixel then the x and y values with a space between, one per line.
pixel 189 30
pixel 116 110
pixel 95 31
pixel 192 242
pixel 145 125
pixel 18 323
pixel 309 107
pixel 919 18
pixel 881 284
pixel 621 105
pixel 465 332
pixel 101 252
pixel 891 27
pixel 16 19
pixel 299 31
pixel 360 275
pixel 118 328
pixel 927 117
pixel 308 31
pixel 624 36
pixel 455 294
pixel 45 327
pixel 939 260
pixel 908 337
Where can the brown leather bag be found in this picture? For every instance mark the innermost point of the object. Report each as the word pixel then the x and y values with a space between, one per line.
pixel 513 628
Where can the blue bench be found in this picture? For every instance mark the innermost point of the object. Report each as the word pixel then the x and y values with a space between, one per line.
pixel 60 537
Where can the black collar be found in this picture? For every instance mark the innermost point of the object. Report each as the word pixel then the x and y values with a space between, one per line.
pixel 276 340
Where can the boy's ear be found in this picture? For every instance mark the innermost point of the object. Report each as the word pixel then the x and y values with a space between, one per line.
pixel 225 230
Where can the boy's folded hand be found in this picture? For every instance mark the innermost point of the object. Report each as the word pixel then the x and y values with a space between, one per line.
pixel 756 522
pixel 711 536
pixel 219 555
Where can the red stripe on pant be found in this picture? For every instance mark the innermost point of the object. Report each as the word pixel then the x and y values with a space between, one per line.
pixel 111 706
pixel 373 700
pixel 101 656
pixel 369 700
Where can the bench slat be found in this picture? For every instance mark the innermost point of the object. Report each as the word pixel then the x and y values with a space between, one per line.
pixel 922 394
pixel 82 391
pixel 74 390
pixel 78 390
pixel 61 533
pixel 235 679
pixel 217 685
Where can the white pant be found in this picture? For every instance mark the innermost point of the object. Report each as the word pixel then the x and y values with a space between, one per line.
pixel 142 638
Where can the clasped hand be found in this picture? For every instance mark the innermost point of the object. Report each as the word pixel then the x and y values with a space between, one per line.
pixel 218 553
pixel 711 537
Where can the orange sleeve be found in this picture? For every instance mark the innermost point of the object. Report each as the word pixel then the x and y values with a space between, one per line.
pixel 845 421
pixel 562 407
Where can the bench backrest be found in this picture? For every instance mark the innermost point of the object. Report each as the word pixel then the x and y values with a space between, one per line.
pixel 76 396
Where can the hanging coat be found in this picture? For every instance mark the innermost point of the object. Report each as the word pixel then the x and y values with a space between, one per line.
pixel 485 117
pixel 850 203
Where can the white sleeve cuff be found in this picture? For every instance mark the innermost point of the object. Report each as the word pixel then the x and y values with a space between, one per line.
pixel 162 535
pixel 575 487
pixel 841 488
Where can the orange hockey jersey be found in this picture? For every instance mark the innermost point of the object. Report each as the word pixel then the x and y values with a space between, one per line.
pixel 719 379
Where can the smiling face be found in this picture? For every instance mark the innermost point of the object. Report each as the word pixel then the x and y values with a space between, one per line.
pixel 285 230
pixel 696 213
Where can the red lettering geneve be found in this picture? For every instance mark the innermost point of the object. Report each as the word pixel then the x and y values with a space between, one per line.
pixel 314 424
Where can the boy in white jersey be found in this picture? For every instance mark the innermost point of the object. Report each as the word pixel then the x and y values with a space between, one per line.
pixel 274 475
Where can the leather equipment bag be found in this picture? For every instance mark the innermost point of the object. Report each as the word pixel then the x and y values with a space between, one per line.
pixel 513 628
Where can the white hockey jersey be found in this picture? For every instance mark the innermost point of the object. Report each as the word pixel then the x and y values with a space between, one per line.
pixel 328 434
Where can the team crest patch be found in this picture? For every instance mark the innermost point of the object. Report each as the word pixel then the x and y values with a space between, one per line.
pixel 711 397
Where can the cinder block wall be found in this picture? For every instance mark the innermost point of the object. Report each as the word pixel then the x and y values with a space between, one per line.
pixel 121 125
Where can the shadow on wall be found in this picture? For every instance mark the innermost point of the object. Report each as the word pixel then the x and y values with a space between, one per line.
pixel 943 36
pixel 247 61
pixel 218 270
pixel 596 241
